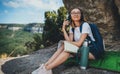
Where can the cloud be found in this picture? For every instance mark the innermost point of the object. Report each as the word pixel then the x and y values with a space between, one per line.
pixel 11 4
pixel 38 4
pixel 26 11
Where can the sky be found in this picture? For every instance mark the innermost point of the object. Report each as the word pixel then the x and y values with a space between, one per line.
pixel 26 11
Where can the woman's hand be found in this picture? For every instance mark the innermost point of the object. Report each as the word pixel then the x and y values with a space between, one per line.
pixel 65 23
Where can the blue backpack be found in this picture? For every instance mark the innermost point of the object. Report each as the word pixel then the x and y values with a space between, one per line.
pixel 98 43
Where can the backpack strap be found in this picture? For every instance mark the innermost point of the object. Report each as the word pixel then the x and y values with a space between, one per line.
pixel 81 27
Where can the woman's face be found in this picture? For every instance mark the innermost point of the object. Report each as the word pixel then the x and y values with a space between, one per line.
pixel 75 15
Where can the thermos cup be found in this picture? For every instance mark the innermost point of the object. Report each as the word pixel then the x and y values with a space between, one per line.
pixel 84 50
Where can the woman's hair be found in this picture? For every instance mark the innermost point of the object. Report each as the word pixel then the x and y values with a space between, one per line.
pixel 69 16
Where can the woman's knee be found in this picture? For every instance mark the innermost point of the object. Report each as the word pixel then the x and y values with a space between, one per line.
pixel 66 53
pixel 91 56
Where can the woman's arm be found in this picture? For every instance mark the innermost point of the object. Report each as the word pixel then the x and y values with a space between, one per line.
pixel 81 40
pixel 71 37
pixel 85 32
pixel 67 38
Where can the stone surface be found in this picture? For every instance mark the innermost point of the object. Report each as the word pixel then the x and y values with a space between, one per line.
pixel 105 13
pixel 117 2
pixel 26 64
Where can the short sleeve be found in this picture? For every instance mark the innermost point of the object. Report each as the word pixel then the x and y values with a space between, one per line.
pixel 85 28
pixel 70 31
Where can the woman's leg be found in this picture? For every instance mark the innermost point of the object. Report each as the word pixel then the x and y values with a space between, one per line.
pixel 55 55
pixel 91 56
pixel 59 60
pixel 59 57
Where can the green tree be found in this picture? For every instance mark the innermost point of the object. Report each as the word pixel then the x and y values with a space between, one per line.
pixel 38 41
pixel 50 28
pixel 53 23
pixel 62 12
pixel 36 44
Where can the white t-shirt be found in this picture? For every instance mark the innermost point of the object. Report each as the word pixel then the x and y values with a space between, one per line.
pixel 85 29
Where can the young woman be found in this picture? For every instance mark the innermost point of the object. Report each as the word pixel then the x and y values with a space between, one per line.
pixel 77 39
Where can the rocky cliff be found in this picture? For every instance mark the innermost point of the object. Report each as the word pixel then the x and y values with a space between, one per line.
pixel 105 13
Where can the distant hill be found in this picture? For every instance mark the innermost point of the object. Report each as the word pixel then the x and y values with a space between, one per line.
pixel 21 25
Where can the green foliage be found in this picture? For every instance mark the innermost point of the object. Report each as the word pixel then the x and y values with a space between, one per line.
pixel 38 41
pixel 14 42
pixel 62 12
pixel 50 27
pixel 5 33
pixel 36 44
pixel 53 23
pixel 20 50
